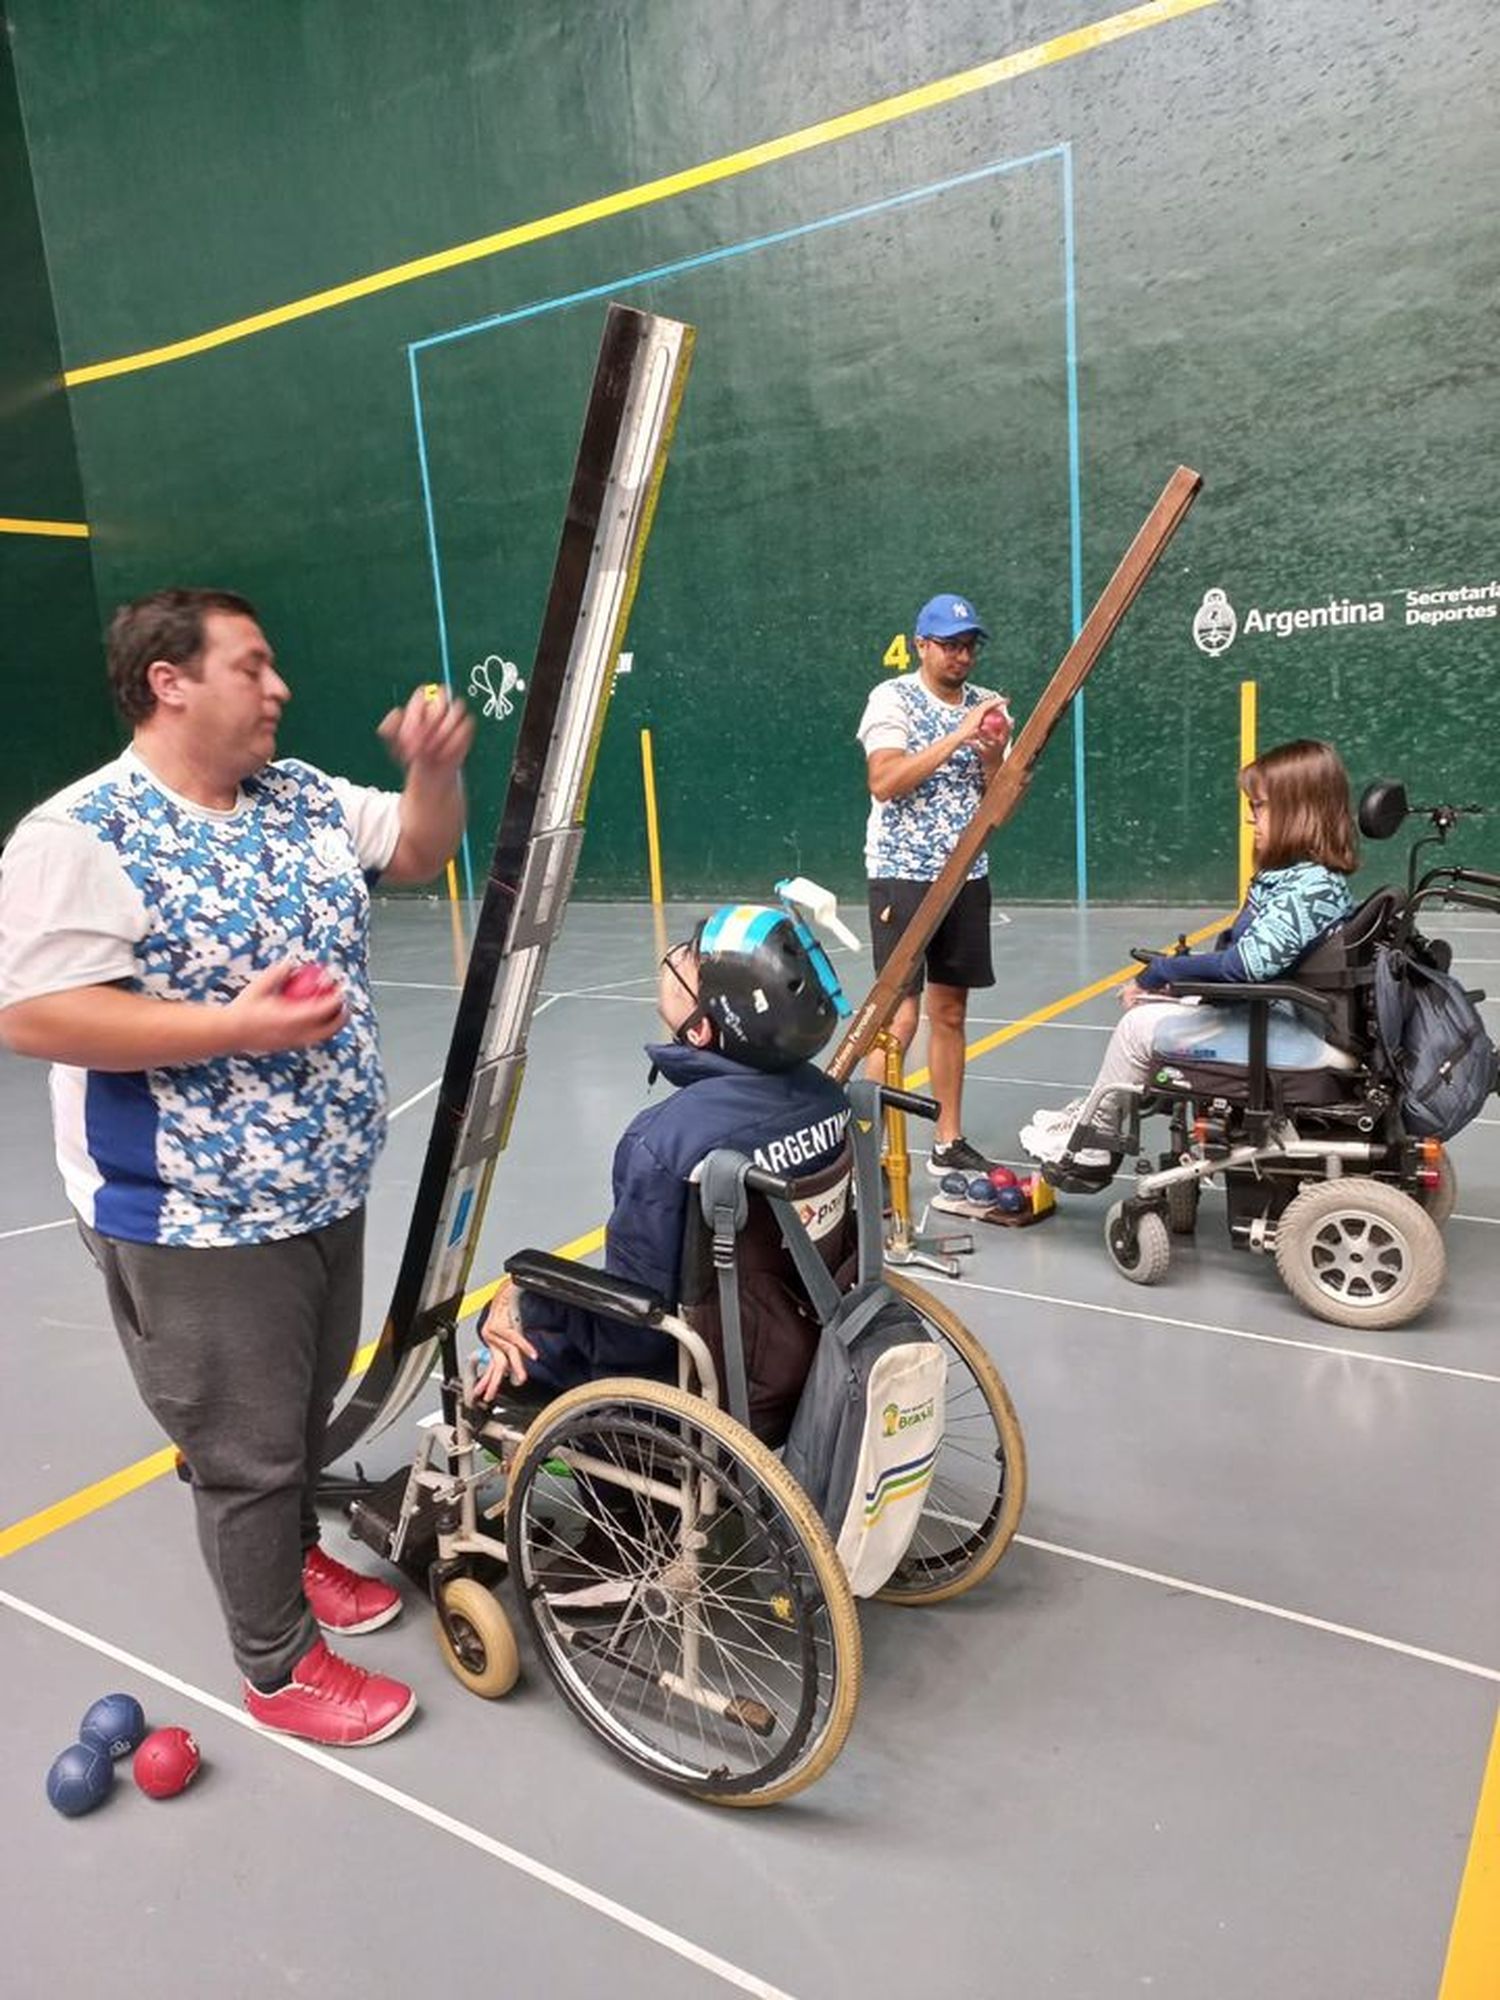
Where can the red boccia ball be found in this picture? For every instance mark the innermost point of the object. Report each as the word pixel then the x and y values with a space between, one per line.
pixel 308 982
pixel 1002 1177
pixel 166 1762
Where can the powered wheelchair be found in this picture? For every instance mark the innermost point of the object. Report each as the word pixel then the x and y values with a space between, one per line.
pixel 674 1578
pixel 1317 1167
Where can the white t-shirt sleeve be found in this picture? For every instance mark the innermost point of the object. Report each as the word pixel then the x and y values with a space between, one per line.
pixel 69 914
pixel 374 821
pixel 883 724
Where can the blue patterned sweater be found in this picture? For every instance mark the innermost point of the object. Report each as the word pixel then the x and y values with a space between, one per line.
pixel 1284 915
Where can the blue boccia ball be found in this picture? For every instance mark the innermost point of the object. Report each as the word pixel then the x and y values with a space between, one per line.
pixel 80 1779
pixel 980 1190
pixel 114 1724
pixel 954 1184
pixel 1011 1200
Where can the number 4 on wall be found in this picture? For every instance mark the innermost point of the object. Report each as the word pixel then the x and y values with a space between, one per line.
pixel 896 657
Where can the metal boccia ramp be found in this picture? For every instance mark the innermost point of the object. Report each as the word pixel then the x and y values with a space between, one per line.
pixel 1216 1724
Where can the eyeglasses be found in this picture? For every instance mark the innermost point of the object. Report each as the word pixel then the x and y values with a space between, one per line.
pixel 671 960
pixel 966 642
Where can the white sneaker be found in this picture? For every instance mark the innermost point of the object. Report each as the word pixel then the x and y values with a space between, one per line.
pixel 1066 1116
pixel 1049 1148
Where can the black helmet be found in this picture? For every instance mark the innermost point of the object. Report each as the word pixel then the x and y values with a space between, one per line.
pixel 766 985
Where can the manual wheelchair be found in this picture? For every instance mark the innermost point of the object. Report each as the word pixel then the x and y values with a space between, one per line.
pixel 1317 1167
pixel 675 1579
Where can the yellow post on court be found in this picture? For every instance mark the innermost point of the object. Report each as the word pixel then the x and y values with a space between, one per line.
pixel 653 843
pixel 1247 754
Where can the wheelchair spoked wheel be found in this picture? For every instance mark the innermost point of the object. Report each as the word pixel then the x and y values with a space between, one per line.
pixel 1359 1252
pixel 683 1592
pixel 978 1490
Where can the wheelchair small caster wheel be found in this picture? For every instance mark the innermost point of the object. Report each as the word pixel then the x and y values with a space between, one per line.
pixel 475 1638
pixel 1139 1246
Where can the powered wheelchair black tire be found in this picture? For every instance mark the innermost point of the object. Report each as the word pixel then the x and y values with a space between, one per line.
pixel 973 1506
pixel 729 1669
pixel 1359 1252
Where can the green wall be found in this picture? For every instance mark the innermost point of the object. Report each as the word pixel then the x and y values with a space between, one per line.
pixel 1283 271
pixel 51 661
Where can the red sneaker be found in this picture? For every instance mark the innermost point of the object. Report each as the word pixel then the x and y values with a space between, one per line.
pixel 329 1700
pixel 341 1599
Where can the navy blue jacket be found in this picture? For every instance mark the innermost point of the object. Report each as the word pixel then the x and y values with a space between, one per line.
pixel 791 1122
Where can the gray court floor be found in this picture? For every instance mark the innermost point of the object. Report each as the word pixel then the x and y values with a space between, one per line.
pixel 1214 1729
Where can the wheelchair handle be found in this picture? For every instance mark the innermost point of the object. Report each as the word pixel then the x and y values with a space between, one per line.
pixel 762 1182
pixel 908 1100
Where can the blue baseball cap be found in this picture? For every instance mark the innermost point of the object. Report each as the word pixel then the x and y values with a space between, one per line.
pixel 946 616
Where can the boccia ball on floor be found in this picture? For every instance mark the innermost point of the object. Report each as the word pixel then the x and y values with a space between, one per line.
pixel 166 1763
pixel 1003 1177
pixel 955 1184
pixel 981 1191
pixel 80 1779
pixel 1010 1200
pixel 115 1724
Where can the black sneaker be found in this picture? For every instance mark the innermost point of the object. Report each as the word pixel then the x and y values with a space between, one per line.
pixel 957 1157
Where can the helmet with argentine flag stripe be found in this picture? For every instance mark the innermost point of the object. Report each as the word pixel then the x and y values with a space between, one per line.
pixel 767 986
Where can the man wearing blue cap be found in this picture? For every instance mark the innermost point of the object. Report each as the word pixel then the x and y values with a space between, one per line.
pixel 931 744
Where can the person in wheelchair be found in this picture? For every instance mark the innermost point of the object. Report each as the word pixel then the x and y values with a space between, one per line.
pixel 1305 848
pixel 747 1006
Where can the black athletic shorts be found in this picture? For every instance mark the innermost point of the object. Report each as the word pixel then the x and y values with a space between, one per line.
pixel 959 951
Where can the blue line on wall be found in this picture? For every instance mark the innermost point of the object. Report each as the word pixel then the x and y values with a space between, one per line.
pixel 612 287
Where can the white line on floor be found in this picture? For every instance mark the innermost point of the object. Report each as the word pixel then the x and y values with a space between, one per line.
pixel 35 1228
pixel 1231 1332
pixel 1492 1220
pixel 1266 1610
pixel 418 985
pixel 551 1878
pixel 426 1091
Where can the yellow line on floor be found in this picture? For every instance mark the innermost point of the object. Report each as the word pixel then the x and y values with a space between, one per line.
pixel 1054 1008
pixel 1472 1971
pixel 104 1492
pixel 18 525
pixel 870 117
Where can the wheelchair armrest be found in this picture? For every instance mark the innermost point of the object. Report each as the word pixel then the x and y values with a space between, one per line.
pixel 909 1101
pixel 1264 990
pixel 581 1285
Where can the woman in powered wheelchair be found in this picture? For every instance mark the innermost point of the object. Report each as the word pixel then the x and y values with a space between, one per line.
pixel 675 1578
pixel 1283 1088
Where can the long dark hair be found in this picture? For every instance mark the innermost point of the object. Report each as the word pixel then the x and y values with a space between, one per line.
pixel 1306 815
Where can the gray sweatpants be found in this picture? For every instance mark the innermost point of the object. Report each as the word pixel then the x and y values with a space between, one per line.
pixel 238 1353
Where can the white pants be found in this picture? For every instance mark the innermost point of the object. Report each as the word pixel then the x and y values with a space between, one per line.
pixel 1206 1034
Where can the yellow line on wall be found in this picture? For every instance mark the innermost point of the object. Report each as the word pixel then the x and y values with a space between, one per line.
pixel 16 525
pixel 886 111
pixel 1472 1971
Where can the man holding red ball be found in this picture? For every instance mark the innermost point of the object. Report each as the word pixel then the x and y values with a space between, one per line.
pixel 931 742
pixel 184 936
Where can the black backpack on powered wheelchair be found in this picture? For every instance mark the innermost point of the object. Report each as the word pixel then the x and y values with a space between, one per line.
pixel 674 1578
pixel 1319 1166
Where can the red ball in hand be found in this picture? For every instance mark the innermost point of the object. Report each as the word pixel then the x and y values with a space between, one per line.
pixel 995 722
pixel 308 982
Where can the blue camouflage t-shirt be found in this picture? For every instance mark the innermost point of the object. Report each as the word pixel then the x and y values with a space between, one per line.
pixel 909 839
pixel 119 881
